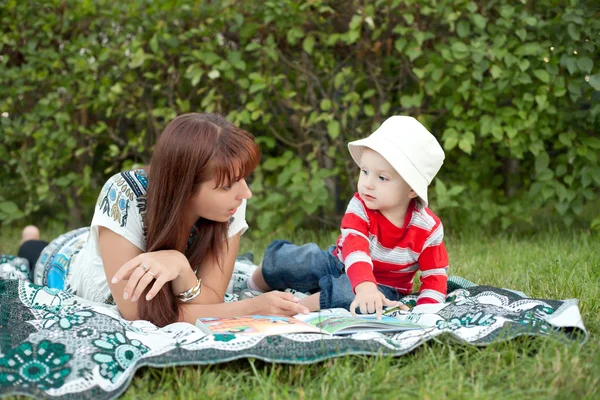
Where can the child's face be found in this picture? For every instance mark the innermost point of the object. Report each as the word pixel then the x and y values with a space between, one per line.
pixel 380 186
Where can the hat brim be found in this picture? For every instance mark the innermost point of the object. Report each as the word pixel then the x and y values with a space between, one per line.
pixel 396 158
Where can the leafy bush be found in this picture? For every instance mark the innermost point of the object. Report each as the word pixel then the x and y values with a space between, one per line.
pixel 511 90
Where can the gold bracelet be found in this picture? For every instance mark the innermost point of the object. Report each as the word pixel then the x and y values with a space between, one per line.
pixel 192 292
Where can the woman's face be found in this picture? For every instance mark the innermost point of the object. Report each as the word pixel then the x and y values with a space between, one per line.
pixel 218 204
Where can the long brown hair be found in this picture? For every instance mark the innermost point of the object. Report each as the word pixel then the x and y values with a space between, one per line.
pixel 192 149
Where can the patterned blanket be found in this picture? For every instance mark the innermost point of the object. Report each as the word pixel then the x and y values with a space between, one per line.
pixel 53 344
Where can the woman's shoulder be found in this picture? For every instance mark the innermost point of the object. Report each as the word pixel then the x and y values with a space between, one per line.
pixel 122 191
pixel 135 180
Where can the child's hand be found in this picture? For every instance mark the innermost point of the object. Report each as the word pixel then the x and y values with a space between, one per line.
pixel 370 300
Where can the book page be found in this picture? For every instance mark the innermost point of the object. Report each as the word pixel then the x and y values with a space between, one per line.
pixel 255 325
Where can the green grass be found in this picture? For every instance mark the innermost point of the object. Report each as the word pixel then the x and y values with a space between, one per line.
pixel 556 265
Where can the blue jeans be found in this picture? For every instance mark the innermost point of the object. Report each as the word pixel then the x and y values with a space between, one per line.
pixel 309 269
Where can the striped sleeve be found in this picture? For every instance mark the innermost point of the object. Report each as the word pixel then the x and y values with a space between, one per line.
pixel 433 263
pixel 353 244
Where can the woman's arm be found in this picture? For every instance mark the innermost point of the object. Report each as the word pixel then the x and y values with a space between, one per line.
pixel 116 251
pixel 271 303
pixel 215 277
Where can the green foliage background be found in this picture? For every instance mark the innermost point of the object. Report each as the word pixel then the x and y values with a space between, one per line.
pixel 511 89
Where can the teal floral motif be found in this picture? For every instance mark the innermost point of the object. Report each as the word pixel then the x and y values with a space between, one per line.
pixel 410 303
pixel 12 267
pixel 42 365
pixel 274 340
pixel 452 324
pixel 224 337
pixel 20 264
pixel 117 354
pixel 468 320
pixel 542 311
pixel 37 297
pixel 532 319
pixel 477 319
pixel 85 332
pixel 67 321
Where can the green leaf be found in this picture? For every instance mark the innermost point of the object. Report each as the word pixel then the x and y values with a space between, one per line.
pixel 294 34
pixel 541 162
pixel 137 59
pixel 459 47
pixel 385 107
pixel 585 64
pixel 465 145
pixel 592 142
pixel 594 81
pixel 541 101
pixel 368 93
pixel 571 63
pixel 406 101
pixel 531 21
pixel 524 65
pixel 528 49
pixel 308 44
pixel 463 29
pixel 456 190
pixel 420 73
pixel 325 104
pixel 496 71
pixel 271 164
pixel 573 31
pixel 565 139
pixel 154 44
pixel 545 175
pixel 413 52
pixel 450 138
pixel 521 34
pixel 196 77
pixel 450 143
pixel 399 44
pixel 542 75
pixel 355 22
pixel 333 128
pixel 479 20
pixel 440 188
pixel 116 88
pixel 8 207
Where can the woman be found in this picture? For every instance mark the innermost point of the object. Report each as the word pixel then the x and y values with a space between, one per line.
pixel 163 240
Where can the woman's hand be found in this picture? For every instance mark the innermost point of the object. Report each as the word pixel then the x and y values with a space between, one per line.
pixel 370 300
pixel 277 303
pixel 159 266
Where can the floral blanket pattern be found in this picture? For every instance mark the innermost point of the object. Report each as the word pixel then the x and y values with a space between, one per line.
pixel 53 344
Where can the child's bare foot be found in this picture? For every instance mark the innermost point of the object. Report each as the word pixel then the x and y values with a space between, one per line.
pixel 30 232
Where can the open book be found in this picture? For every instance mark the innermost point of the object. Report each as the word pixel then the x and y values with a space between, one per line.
pixel 255 325
pixel 332 321
pixel 341 322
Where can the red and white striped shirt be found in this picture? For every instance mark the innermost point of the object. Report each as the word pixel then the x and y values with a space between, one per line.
pixel 375 250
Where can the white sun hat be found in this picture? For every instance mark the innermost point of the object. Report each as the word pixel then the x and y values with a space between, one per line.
pixel 409 148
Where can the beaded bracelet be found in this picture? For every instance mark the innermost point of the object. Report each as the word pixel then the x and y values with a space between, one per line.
pixel 191 293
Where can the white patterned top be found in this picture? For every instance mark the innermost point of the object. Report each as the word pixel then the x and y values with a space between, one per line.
pixel 72 261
